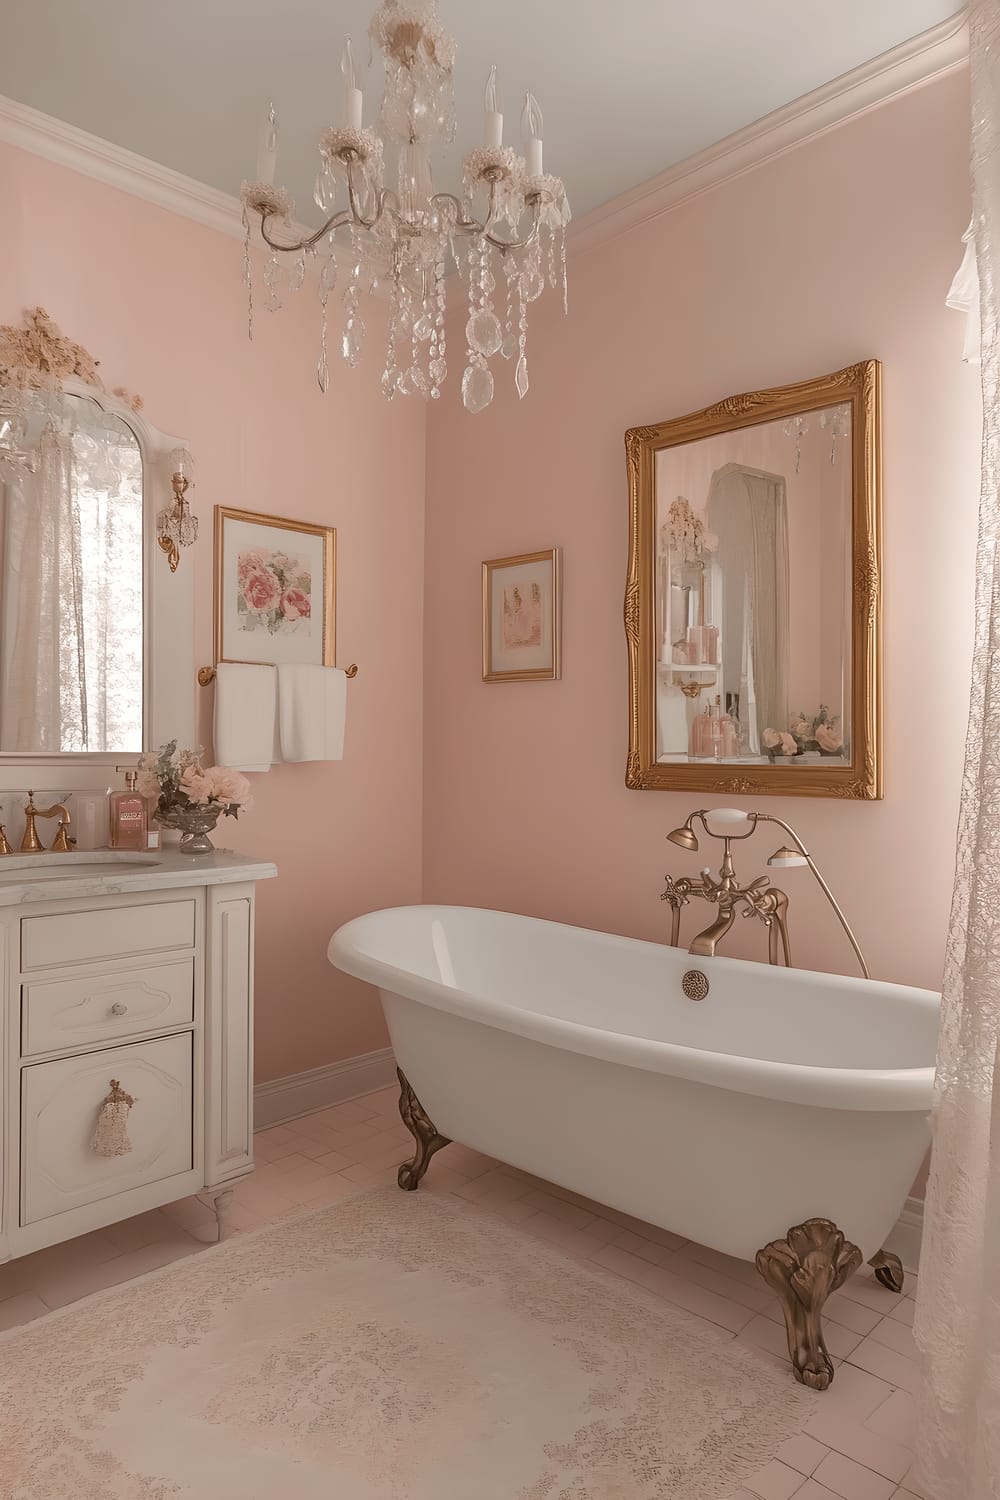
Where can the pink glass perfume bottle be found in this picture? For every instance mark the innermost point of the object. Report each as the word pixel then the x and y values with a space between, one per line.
pixel 127 816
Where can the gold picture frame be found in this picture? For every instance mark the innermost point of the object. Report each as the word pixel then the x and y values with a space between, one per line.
pixel 268 613
pixel 522 617
pixel 860 386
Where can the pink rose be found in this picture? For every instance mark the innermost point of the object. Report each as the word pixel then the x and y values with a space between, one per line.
pixel 227 785
pixel 195 784
pixel 801 727
pixel 260 589
pixel 788 745
pixel 828 737
pixel 147 785
pixel 295 605
pixel 248 562
pixel 771 738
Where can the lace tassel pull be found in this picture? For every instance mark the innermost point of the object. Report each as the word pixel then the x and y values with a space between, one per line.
pixel 111 1135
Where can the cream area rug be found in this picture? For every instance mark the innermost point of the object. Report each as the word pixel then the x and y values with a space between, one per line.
pixel 390 1347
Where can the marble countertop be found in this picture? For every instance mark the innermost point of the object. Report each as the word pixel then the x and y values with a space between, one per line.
pixel 104 872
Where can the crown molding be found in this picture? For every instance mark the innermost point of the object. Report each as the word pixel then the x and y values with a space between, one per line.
pixel 55 140
pixel 941 50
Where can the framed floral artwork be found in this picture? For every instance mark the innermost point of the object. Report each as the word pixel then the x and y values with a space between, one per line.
pixel 521 619
pixel 275 583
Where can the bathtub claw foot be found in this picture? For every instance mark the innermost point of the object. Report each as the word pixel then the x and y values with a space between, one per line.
pixel 888 1270
pixel 813 1260
pixel 423 1132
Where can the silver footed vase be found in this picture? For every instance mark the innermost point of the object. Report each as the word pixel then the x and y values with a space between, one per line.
pixel 195 824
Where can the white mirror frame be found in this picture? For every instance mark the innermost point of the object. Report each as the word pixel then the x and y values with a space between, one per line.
pixel 168 629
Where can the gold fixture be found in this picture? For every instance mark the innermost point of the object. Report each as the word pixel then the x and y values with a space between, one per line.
pixel 30 842
pixel 859 386
pixel 813 1260
pixel 4 841
pixel 759 897
pixel 424 1132
pixel 176 527
pixel 206 675
pixel 695 984
pixel 888 1270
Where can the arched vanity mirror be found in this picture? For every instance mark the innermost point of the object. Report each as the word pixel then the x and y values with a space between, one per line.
pixel 752 607
pixel 96 628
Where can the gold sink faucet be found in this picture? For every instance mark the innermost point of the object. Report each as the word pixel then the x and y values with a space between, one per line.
pixel 31 843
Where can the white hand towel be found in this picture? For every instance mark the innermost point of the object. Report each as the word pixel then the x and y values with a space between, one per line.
pixel 245 716
pixel 312 709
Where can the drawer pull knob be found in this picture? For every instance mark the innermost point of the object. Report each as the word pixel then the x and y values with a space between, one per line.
pixel 110 1134
pixel 118 1009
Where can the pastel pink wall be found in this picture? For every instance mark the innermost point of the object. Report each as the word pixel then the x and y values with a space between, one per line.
pixel 840 250
pixel 159 300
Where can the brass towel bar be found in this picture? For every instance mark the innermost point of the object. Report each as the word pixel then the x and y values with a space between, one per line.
pixel 207 674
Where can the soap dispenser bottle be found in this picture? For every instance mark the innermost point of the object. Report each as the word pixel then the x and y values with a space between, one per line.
pixel 127 816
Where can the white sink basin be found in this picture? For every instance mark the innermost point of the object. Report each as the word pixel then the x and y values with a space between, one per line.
pixel 45 866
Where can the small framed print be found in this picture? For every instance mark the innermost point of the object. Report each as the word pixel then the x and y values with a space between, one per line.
pixel 275 586
pixel 521 621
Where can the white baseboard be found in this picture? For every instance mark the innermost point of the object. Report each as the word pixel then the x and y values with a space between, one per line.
pixel 904 1240
pixel 283 1099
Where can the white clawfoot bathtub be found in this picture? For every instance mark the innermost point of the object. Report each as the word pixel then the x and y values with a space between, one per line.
pixel 782 1096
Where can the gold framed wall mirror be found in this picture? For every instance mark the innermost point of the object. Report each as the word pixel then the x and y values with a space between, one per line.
pixel 753 598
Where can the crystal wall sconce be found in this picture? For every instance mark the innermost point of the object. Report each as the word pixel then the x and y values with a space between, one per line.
pixel 176 527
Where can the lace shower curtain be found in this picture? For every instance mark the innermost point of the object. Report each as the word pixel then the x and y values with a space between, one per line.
pixel 958 1308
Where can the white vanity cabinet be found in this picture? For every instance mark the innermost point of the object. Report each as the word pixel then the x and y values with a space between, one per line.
pixel 140 975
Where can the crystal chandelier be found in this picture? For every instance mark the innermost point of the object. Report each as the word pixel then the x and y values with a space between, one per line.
pixel 505 234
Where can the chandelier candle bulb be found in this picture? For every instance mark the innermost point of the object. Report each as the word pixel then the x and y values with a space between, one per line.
pixel 267 153
pixel 531 130
pixel 493 132
pixel 353 97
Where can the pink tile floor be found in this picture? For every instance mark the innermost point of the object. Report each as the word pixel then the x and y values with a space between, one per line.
pixel 856 1447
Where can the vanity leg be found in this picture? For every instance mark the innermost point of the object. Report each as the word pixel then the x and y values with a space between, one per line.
pixel 812 1261
pixel 222 1202
pixel 888 1270
pixel 423 1132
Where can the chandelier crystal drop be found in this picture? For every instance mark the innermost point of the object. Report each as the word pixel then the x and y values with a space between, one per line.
pixel 505 234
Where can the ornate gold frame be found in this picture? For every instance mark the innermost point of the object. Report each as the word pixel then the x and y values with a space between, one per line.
pixel 861 386
pixel 328 535
pixel 534 674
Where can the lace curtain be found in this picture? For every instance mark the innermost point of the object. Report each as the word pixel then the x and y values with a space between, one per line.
pixel 71 581
pixel 958 1308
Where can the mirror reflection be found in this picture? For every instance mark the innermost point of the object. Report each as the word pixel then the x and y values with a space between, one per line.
pixel 71 584
pixel 753 594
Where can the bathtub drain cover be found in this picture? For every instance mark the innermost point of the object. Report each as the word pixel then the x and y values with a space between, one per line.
pixel 695 985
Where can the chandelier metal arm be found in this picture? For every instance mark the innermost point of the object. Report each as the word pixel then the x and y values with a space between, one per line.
pixel 386 205
pixel 336 221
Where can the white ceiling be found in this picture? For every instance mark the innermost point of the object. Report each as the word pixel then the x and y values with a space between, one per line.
pixel 627 89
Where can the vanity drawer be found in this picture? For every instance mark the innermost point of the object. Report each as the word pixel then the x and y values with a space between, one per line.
pixel 57 1014
pixel 110 932
pixel 59 1107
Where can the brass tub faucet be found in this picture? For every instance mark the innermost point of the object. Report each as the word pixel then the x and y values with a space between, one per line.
pixel 758 899
pixel 30 842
